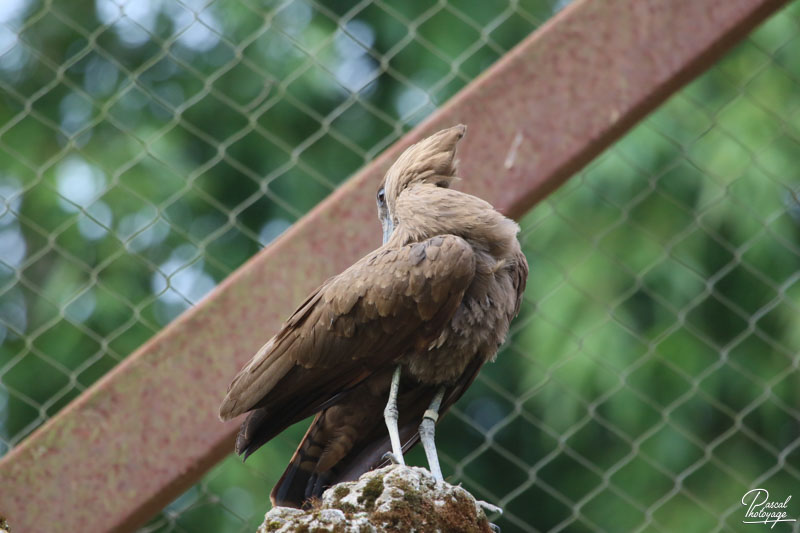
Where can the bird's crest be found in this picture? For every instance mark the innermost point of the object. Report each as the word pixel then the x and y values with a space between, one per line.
pixel 431 160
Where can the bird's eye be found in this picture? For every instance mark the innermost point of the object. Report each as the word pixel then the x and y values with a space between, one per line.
pixel 381 197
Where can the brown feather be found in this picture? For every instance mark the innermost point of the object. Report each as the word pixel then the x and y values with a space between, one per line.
pixel 313 360
pixel 436 298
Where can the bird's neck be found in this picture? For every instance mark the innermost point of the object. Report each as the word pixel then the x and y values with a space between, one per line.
pixel 426 211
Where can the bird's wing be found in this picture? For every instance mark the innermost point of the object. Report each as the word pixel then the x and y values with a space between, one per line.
pixel 389 303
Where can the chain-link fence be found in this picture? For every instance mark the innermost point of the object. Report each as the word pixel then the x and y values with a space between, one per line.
pixel 149 147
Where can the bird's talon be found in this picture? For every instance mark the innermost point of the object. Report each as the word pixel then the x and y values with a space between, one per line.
pixel 488 507
pixel 494 527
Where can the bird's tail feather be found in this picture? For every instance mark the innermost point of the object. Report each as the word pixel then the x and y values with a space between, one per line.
pixel 309 472
pixel 297 480
pixel 312 470
pixel 302 481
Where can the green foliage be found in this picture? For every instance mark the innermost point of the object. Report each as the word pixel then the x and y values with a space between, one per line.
pixel 652 372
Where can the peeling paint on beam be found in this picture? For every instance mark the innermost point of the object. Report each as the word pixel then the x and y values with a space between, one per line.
pixel 148 430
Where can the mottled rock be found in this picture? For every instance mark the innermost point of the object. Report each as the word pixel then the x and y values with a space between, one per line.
pixel 392 499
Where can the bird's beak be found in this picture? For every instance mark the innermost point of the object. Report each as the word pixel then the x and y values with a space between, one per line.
pixel 388 228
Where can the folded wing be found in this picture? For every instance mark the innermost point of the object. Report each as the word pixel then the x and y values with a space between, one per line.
pixel 391 302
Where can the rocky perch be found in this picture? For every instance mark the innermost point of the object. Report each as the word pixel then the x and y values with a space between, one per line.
pixel 392 499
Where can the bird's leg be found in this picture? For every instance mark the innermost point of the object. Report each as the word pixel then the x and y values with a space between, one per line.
pixel 390 415
pixel 426 431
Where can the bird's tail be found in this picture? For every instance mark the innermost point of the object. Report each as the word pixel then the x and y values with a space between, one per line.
pixel 300 479
pixel 349 438
pixel 335 450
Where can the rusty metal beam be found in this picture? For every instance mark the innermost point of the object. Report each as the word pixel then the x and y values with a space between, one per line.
pixel 148 429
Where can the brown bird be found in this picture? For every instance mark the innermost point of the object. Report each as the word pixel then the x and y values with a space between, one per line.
pixel 413 321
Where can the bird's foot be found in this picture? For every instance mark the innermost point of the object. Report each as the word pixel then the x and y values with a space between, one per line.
pixel 488 507
pixel 394 459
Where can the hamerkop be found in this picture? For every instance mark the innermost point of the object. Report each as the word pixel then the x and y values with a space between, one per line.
pixel 413 321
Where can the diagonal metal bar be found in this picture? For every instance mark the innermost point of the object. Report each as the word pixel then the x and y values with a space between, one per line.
pixel 148 429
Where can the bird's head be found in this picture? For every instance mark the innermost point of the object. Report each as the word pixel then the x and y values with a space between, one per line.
pixel 430 161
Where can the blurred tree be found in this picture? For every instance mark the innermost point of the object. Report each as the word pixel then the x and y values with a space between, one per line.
pixel 148 148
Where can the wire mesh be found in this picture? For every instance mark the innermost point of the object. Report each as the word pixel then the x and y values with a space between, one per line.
pixel 148 148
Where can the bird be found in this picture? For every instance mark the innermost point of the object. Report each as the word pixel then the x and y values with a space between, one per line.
pixel 378 353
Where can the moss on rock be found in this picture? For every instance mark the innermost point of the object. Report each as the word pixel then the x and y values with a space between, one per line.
pixel 392 499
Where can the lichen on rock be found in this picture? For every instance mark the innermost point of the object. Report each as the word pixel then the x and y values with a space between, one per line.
pixel 393 499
